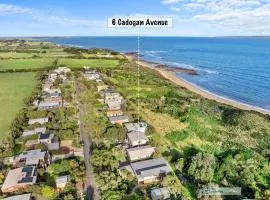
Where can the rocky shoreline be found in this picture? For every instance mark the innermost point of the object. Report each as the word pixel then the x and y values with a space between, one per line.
pixel 182 70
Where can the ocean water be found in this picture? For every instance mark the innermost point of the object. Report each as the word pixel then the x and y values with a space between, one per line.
pixel 234 68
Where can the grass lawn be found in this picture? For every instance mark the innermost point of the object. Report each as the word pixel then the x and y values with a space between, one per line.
pixel 97 63
pixel 14 87
pixel 25 63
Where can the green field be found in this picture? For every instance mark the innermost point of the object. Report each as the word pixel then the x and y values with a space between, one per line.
pixel 75 63
pixel 25 63
pixel 14 87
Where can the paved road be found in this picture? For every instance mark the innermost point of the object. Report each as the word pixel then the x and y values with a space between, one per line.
pixel 92 191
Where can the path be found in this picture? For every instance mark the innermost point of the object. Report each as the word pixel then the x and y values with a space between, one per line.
pixel 92 191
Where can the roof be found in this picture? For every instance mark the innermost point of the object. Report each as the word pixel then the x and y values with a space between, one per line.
pixel 19 197
pixel 140 152
pixel 40 130
pixel 152 167
pixel 136 135
pixel 38 120
pixel 28 132
pixel 53 146
pixel 48 104
pixel 118 118
pixel 22 175
pixel 46 136
pixel 31 157
pixel 141 126
pixel 34 131
pixel 62 179
pixel 160 193
pixel 114 104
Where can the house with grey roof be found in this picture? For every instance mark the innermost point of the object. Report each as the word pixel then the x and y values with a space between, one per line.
pixel 39 130
pixel 61 181
pixel 160 194
pixel 45 105
pixel 35 157
pixel 19 179
pixel 38 120
pixel 136 138
pixel 27 196
pixel 92 75
pixel 119 119
pixel 141 127
pixel 152 170
pixel 114 106
pixel 140 152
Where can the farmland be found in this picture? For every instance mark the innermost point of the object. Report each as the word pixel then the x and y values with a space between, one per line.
pixel 97 63
pixel 14 88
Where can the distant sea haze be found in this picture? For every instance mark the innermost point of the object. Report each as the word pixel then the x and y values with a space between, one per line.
pixel 234 68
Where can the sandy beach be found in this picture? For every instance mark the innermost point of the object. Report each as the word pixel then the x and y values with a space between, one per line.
pixel 194 88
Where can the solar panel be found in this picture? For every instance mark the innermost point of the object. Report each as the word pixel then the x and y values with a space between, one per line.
pixel 26 180
pixel 44 136
pixel 138 171
pixel 28 171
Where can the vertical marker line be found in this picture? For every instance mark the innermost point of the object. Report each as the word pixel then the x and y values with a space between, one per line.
pixel 138 74
pixel 138 84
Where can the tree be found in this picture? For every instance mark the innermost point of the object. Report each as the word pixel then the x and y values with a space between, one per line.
pixel 202 167
pixel 48 192
pixel 104 160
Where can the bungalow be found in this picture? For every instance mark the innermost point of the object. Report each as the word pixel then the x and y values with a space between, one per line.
pixel 54 91
pixel 119 119
pixel 92 75
pixel 36 157
pixel 149 171
pixel 61 181
pixel 19 178
pixel 48 105
pixel 62 70
pixel 141 127
pixel 35 131
pixel 38 120
pixel 114 106
pixel 113 97
pixel 111 113
pixel 140 152
pixel 27 196
pixel 160 194
pixel 137 138
pixel 46 138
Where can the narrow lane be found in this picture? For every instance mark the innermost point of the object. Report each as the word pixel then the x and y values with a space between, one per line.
pixel 91 189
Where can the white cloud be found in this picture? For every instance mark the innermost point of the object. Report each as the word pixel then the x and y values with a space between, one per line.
pixel 246 16
pixel 8 9
pixel 171 2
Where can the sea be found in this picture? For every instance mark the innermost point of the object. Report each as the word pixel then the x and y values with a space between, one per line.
pixel 236 68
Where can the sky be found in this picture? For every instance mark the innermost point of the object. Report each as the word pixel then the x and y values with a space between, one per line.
pixel 196 18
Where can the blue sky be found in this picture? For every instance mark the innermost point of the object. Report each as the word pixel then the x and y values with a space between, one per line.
pixel 89 17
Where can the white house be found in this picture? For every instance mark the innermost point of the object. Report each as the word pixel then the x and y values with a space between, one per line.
pixel 141 127
pixel 140 152
pixel 38 120
pixel 160 194
pixel 137 138
pixel 149 171
pixel 61 181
